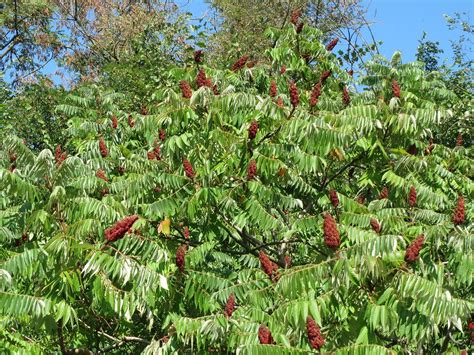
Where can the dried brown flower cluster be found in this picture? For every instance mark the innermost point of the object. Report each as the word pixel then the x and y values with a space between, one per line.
pixel 198 56
pixel 268 266
pixel 101 175
pixel 332 44
pixel 273 92
pixel 118 230
pixel 294 96
pixel 295 16
pixel 315 94
pixel 326 74
pixel 114 122
pixel 384 193
pixel 202 79
pixel 375 225
pixel 333 197
pixel 413 251
pixel 346 99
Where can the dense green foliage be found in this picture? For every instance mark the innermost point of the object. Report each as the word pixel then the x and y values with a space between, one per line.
pixel 63 286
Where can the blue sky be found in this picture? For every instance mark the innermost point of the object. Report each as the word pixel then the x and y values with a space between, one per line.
pixel 398 23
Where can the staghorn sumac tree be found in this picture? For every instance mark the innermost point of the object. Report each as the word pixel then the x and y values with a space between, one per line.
pixel 158 263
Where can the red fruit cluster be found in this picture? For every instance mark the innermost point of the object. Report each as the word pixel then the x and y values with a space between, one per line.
pixel 395 88
pixel 264 335
pixel 251 169
pixel 333 197
pixel 283 69
pixel 114 122
pixel 375 225
pixel 188 168
pixel 230 306
pixel 314 334
pixel 240 63
pixel 459 140
pixel 101 175
pixel 315 94
pixel 180 257
pixel 198 56
pixel 186 232
pixel 412 196
pixel 268 266
pixel 151 155
pixel 294 96
pixel 118 230
pixel 470 326
pixel 331 234
pixel 186 91
pixel 58 156
pixel 346 99
pixel 384 193
pixel 131 121
pixel 413 250
pixel 459 215
pixel 202 79
pixel 162 135
pixel 295 16
pixel 157 150
pixel 273 89
pixel 253 129
pixel 326 74
pixel 103 148
pixel 332 44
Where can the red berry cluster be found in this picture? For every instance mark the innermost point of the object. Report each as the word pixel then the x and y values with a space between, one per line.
pixel 230 306
pixel 333 197
pixel 470 326
pixel 240 63
pixel 395 88
pixel 315 94
pixel 59 156
pixel 375 225
pixel 413 251
pixel 180 257
pixel 251 169
pixel 198 56
pixel 101 175
pixel 459 140
pixel 283 69
pixel 268 266
pixel 202 79
pixel 412 196
pixel 459 215
pixel 151 155
pixel 114 122
pixel 326 74
pixel 384 193
pixel 188 168
pixel 294 96
pixel 295 16
pixel 162 135
pixel 131 121
pixel 314 334
pixel 331 234
pixel 332 44
pixel 156 150
pixel 253 129
pixel 186 91
pixel 264 335
pixel 186 232
pixel 273 89
pixel 117 231
pixel 346 99
pixel 103 148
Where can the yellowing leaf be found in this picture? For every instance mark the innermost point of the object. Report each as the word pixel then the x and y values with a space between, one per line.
pixel 164 226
